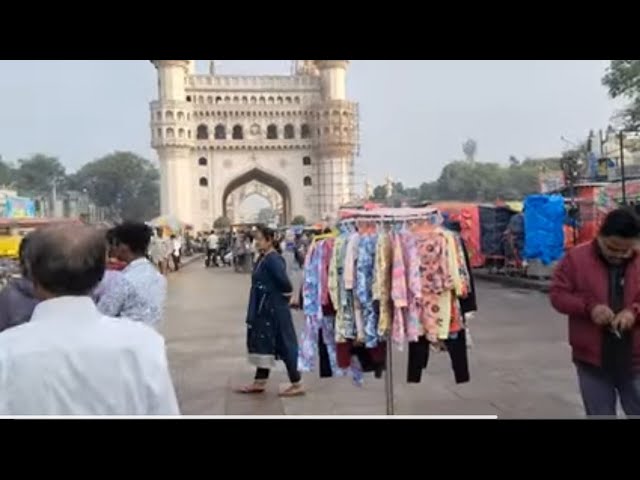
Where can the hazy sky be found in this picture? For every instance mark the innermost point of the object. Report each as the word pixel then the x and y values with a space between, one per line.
pixel 414 114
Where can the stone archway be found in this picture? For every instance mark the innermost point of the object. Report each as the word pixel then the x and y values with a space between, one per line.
pixel 259 176
pixel 236 200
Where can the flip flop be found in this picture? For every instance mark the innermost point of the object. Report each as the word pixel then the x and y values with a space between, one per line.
pixel 250 389
pixel 293 391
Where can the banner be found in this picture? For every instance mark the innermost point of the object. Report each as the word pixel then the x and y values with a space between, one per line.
pixel 19 207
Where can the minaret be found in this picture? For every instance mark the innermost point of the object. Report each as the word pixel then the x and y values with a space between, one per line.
pixel 337 131
pixel 172 137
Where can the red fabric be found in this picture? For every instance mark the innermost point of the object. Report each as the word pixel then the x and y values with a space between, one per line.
pixel 580 282
pixel 468 215
pixel 343 354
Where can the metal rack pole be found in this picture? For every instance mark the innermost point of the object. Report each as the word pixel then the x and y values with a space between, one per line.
pixel 388 379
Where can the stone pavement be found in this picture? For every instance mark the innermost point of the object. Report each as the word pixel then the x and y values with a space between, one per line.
pixel 520 363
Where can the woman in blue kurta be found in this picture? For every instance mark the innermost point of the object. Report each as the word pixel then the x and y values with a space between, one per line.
pixel 271 335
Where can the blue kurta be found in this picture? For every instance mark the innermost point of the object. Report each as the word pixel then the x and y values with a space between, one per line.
pixel 270 331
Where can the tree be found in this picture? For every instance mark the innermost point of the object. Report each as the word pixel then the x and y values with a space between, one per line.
pixel 299 220
pixel 623 81
pixel 513 161
pixel 37 175
pixel 222 223
pixel 123 181
pixel 470 148
pixel 7 174
pixel 267 215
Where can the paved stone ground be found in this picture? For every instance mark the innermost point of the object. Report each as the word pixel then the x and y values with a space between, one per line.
pixel 520 363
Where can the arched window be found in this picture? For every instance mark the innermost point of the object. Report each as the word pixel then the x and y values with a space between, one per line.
pixel 253 100
pixel 288 99
pixel 245 100
pixel 270 100
pixel 272 132
pixel 159 115
pixel 180 116
pixel 170 133
pixel 262 100
pixel 220 132
pixel 202 161
pixel 202 132
pixel 307 181
pixel 209 99
pixel 305 131
pixel 296 99
pixel 169 115
pixel 236 99
pixel 306 161
pixel 188 98
pixel 159 133
pixel 204 182
pixel 218 99
pixel 227 99
pixel 181 133
pixel 279 100
pixel 237 132
pixel 200 99
pixel 289 131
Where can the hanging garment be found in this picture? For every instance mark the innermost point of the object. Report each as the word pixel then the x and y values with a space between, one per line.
pixel 311 284
pixel 382 293
pixel 419 358
pixel 369 359
pixel 435 277
pixel 398 292
pixel 413 328
pixel 345 320
pixel 368 330
pixel 468 303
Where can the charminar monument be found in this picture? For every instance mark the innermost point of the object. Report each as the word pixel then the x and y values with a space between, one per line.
pixel 221 138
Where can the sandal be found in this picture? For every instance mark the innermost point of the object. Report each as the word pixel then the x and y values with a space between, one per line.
pixel 293 390
pixel 254 388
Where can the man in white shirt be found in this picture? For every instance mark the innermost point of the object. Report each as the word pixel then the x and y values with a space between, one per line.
pixel 212 248
pixel 141 297
pixel 176 252
pixel 70 359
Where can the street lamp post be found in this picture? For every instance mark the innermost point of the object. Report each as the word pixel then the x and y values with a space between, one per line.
pixel 623 178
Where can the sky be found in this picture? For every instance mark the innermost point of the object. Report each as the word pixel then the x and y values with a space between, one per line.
pixel 414 114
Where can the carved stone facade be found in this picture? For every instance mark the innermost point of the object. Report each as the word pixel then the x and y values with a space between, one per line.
pixel 215 134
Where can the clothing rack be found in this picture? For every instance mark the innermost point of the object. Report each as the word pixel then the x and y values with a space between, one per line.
pixel 390 215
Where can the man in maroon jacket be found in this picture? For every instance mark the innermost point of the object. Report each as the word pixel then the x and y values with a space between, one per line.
pixel 597 285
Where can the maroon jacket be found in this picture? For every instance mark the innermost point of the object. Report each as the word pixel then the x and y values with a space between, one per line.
pixel 580 282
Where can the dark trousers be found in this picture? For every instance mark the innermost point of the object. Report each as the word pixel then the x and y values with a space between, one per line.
pixel 600 391
pixel 419 358
pixel 292 371
pixel 176 261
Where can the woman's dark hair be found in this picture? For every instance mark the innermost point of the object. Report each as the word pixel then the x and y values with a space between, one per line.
pixel 136 236
pixel 270 235
pixel 621 222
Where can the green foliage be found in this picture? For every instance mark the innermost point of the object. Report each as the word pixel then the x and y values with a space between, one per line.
pixel 222 222
pixel 474 181
pixel 123 181
pixel 623 81
pixel 7 174
pixel 299 220
pixel 35 176
pixel 267 215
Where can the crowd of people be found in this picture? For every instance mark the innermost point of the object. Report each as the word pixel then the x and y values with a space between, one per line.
pixel 78 329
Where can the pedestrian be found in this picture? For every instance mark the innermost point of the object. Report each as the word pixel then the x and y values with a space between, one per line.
pixel 270 331
pixel 212 248
pixel 176 252
pixel 70 359
pixel 17 298
pixel 156 252
pixel 597 284
pixel 143 297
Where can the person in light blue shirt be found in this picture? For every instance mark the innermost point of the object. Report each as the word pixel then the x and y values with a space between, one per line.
pixel 140 293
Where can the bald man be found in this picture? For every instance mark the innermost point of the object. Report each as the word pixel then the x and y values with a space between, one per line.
pixel 70 359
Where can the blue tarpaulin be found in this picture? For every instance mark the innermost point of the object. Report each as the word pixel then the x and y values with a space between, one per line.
pixel 543 228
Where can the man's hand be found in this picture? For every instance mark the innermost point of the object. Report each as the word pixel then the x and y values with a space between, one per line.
pixel 602 315
pixel 624 320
